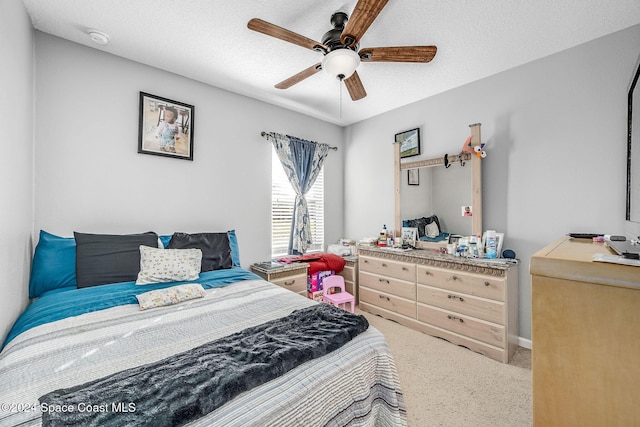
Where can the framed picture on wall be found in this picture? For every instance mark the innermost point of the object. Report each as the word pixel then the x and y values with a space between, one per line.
pixel 165 127
pixel 409 142
pixel 413 176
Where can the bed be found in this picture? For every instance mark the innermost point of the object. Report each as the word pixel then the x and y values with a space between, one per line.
pixel 96 341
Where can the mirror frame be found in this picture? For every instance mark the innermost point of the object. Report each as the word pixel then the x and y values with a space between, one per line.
pixel 476 182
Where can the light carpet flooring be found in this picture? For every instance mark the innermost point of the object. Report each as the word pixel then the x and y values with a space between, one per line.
pixel 447 385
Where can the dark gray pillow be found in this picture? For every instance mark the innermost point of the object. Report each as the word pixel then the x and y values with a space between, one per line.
pixel 421 223
pixel 106 258
pixel 215 247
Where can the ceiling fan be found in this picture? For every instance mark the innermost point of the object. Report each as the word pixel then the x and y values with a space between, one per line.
pixel 340 47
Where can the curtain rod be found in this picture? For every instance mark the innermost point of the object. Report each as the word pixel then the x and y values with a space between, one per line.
pixel 266 136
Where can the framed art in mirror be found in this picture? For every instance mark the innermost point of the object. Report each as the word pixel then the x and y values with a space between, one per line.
pixel 165 127
pixel 409 142
pixel 413 176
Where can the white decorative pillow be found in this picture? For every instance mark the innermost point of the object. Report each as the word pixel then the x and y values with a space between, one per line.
pixel 170 296
pixel 168 265
pixel 432 230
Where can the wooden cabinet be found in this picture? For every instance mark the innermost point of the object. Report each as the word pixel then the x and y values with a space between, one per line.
pixel 350 274
pixel 586 337
pixel 472 303
pixel 292 277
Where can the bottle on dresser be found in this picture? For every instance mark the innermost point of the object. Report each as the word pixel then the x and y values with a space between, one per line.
pixel 491 249
pixel 382 240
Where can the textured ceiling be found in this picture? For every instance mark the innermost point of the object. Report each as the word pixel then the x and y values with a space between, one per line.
pixel 208 40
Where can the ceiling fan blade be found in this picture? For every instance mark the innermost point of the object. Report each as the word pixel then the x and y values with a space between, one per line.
pixel 361 18
pixel 297 78
pixel 398 54
pixel 272 30
pixel 354 86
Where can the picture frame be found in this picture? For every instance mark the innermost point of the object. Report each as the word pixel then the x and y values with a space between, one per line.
pixel 409 141
pixel 413 176
pixel 165 127
pixel 409 235
pixel 499 241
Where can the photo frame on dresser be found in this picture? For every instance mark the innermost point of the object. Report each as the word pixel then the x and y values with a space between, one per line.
pixel 165 127
pixel 409 235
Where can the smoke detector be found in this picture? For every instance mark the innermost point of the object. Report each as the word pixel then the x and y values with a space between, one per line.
pixel 98 37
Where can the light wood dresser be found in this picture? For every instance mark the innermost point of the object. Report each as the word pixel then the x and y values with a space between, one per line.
pixel 472 303
pixel 586 337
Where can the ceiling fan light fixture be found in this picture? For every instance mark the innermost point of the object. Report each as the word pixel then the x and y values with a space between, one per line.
pixel 341 63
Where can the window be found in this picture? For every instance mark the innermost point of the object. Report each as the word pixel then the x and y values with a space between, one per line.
pixel 282 198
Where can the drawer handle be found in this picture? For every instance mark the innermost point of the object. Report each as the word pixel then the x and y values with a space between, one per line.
pixel 454 277
pixel 428 273
pixel 455 297
pixel 366 261
pixel 487 283
pixel 384 281
pixel 383 297
pixel 455 318
pixel 405 269
pixel 289 283
pixel 384 265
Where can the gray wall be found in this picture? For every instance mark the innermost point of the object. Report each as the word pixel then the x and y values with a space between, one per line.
pixel 555 131
pixel 89 176
pixel 16 160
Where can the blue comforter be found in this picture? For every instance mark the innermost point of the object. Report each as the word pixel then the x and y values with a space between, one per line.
pixel 70 301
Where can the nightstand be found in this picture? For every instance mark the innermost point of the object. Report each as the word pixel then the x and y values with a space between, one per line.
pixel 289 276
pixel 350 274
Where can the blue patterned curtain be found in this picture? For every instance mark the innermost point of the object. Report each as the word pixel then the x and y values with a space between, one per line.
pixel 302 161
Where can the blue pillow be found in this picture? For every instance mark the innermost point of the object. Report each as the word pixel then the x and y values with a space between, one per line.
pixel 165 240
pixel 54 264
pixel 235 251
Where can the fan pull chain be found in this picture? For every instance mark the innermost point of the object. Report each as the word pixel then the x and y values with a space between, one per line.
pixel 341 98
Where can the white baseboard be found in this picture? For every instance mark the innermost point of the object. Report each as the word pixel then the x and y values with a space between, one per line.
pixel 523 342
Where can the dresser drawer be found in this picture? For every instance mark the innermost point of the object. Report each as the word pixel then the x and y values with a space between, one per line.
pixel 480 330
pixel 297 283
pixel 388 302
pixel 482 308
pixel 388 285
pixel 395 269
pixel 471 284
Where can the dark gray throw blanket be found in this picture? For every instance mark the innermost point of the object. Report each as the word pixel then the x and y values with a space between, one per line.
pixel 189 385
